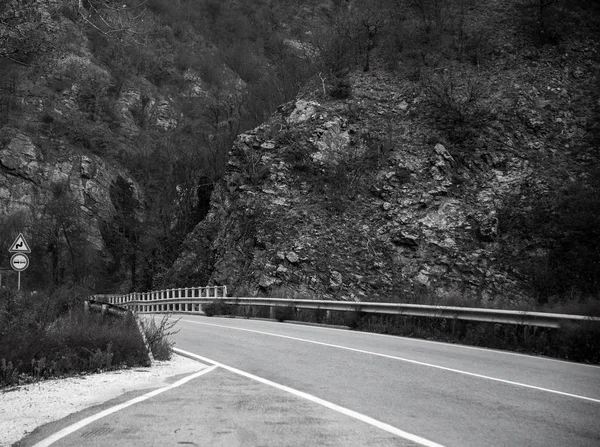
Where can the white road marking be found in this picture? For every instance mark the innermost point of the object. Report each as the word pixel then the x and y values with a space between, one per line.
pixel 78 425
pixel 453 345
pixel 415 362
pixel 417 340
pixel 345 411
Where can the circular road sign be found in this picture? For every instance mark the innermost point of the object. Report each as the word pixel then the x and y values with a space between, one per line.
pixel 19 262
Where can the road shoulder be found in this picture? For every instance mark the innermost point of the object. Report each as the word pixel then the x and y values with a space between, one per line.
pixel 27 407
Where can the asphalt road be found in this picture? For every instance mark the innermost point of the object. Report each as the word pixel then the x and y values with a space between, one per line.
pixel 449 394
pixel 279 384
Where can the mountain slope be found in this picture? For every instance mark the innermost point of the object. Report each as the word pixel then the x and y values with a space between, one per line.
pixel 455 184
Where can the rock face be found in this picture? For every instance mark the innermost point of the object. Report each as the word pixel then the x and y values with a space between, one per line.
pixel 27 178
pixel 331 203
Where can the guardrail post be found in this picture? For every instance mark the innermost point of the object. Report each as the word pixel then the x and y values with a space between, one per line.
pixel 272 312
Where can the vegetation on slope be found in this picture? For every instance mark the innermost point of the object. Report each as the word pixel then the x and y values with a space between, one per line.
pixel 159 87
pixel 525 90
pixel 482 72
pixel 45 336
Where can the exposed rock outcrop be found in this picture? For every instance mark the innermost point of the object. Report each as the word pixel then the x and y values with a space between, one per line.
pixel 27 178
pixel 333 204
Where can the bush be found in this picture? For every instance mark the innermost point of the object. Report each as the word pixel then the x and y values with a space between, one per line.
pixel 341 90
pixel 253 311
pixel 157 336
pixel 565 221
pixel 282 313
pixel 458 103
pixel 337 45
pixel 39 339
pixel 218 308
pixel 578 342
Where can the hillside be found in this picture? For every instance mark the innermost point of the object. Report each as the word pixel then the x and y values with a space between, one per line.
pixel 418 149
pixel 115 121
pixel 452 180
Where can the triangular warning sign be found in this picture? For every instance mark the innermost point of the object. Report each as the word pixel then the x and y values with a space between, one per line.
pixel 20 245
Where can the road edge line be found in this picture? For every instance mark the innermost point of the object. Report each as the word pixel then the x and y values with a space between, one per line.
pixel 415 339
pixel 414 362
pixel 342 410
pixel 86 421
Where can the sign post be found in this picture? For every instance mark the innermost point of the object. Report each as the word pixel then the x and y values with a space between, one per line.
pixel 19 260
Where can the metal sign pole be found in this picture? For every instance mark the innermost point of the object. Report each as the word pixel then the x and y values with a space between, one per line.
pixel 19 260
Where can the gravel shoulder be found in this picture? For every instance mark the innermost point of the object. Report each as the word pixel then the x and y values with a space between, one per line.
pixel 26 407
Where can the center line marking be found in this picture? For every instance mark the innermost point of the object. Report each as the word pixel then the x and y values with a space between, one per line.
pixel 415 362
pixel 343 410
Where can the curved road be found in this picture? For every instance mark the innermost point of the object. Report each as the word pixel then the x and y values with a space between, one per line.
pixel 452 395
pixel 279 384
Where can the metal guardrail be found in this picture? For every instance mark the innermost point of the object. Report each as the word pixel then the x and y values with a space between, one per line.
pixel 190 300
pixel 187 299
pixel 104 307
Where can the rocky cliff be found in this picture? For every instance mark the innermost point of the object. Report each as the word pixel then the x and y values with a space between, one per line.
pixel 379 196
pixel 459 163
pixel 27 179
pixel 149 92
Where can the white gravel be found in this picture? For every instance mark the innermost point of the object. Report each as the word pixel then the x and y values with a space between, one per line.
pixel 26 407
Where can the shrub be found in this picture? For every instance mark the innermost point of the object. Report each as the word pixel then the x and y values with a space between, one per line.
pixel 253 311
pixel 578 343
pixel 283 313
pixel 352 319
pixel 565 221
pixel 157 336
pixel 458 104
pixel 337 45
pixel 218 308
pixel 311 315
pixel 8 373
pixel 341 89
pixel 39 339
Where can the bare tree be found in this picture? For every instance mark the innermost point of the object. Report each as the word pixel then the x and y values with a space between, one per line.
pixel 24 29
pixel 112 17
